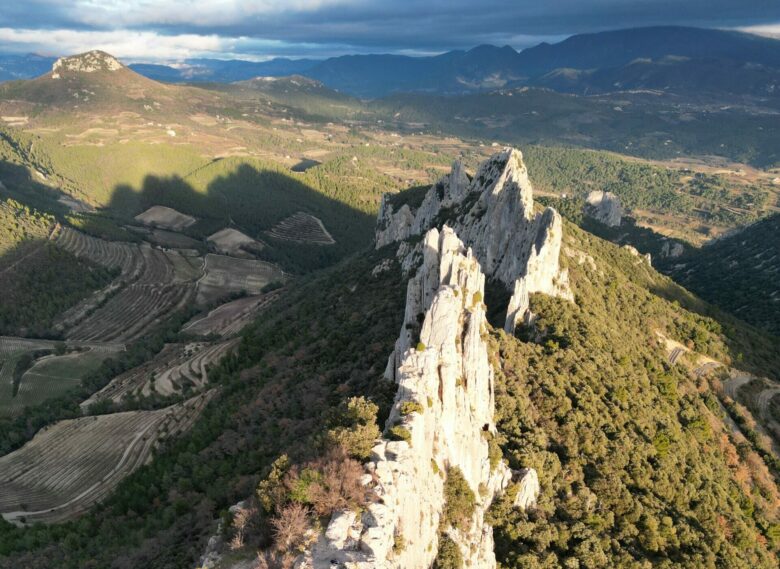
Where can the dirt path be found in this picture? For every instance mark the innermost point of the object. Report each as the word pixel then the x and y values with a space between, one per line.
pixel 738 379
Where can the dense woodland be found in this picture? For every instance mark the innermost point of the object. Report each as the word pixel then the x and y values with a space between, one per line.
pixel 637 465
pixel 739 273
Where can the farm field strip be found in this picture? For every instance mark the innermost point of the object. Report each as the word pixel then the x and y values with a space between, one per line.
pixel 224 274
pixel 175 366
pixel 229 318
pixel 194 370
pixel 73 464
pixel 125 256
pixel 302 227
pixel 126 316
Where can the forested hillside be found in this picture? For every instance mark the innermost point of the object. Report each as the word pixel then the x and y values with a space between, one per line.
pixel 38 280
pixel 740 272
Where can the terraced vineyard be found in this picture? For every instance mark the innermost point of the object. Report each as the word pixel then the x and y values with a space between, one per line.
pixel 228 319
pixel 73 464
pixel 107 253
pixel 126 316
pixel 228 274
pixel 153 284
pixel 176 366
pixel 301 227
pixel 49 376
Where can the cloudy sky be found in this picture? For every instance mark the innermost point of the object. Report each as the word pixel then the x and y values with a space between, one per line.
pixel 166 30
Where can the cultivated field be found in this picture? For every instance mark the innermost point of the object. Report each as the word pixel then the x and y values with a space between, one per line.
pixel 176 367
pixel 228 319
pixel 111 254
pixel 232 242
pixel 301 227
pixel 165 217
pixel 49 376
pixel 73 464
pixel 166 238
pixel 152 285
pixel 227 274
pixel 131 312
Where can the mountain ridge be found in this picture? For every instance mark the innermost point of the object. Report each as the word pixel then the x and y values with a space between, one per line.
pixel 485 67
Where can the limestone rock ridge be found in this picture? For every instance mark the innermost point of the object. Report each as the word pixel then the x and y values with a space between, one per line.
pixel 444 370
pixel 494 214
pixel 88 62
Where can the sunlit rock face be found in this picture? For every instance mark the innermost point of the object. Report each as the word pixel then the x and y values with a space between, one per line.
pixel 494 214
pixel 89 62
pixel 444 368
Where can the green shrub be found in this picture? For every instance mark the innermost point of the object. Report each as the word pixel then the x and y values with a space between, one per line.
pixel 399 543
pixel 400 433
pixel 449 555
pixel 494 453
pixel 459 499
pixel 409 407
pixel 270 492
pixel 420 347
pixel 299 492
pixel 354 427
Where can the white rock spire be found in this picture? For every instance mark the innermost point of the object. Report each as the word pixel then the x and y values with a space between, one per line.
pixel 447 372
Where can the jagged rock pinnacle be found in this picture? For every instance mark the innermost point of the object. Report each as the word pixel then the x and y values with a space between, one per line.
pixel 494 215
pixel 604 207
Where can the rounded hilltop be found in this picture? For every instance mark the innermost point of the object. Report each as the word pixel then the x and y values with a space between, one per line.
pixel 88 62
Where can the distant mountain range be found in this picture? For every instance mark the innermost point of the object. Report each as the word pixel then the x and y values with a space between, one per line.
pixel 673 59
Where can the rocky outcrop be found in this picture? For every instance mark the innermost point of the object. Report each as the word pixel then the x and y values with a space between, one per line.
pixel 604 207
pixel 392 225
pixel 527 488
pixel 672 250
pixel 89 62
pixel 494 214
pixel 444 407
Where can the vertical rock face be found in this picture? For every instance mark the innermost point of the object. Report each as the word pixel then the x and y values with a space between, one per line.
pixel 494 215
pixel 604 207
pixel 393 226
pixel 446 372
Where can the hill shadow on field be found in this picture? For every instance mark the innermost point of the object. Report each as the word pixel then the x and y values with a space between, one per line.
pixel 252 200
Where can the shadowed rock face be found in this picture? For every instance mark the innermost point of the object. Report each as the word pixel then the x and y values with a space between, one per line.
pixel 448 374
pixel 604 207
pixel 494 214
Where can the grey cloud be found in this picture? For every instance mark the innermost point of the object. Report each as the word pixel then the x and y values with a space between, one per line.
pixel 397 26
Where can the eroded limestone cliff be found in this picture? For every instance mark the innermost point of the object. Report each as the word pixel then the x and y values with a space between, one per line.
pixel 445 403
pixel 494 214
